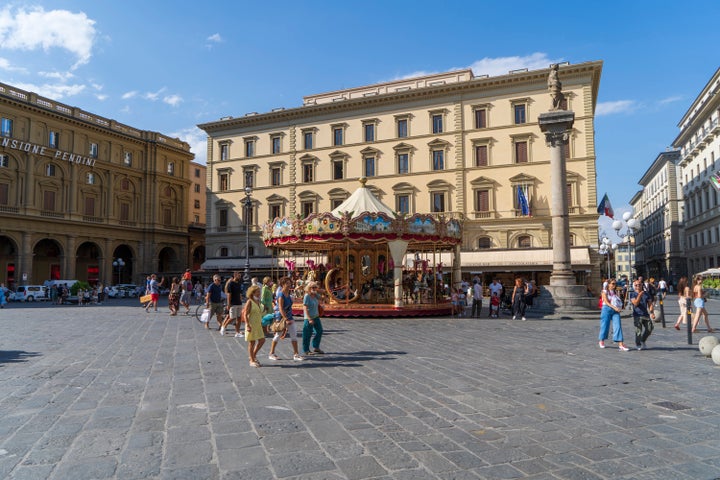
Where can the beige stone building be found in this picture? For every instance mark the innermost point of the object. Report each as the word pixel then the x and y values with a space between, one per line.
pixel 197 208
pixel 85 197
pixel 450 143
pixel 699 144
pixel 658 206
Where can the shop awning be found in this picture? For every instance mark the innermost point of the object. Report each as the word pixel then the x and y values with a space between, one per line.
pixel 525 259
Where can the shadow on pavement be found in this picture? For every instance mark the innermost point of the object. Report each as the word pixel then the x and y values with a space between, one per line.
pixel 16 356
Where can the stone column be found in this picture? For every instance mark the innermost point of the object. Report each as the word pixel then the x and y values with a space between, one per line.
pixel 556 125
pixel 26 256
pixel 70 258
pixel 397 250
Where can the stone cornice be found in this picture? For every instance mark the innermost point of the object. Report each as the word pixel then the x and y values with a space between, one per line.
pixel 292 115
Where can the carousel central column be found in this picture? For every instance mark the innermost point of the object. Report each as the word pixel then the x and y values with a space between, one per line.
pixel 397 250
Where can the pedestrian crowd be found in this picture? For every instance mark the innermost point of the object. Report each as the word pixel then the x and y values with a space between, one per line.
pixel 264 310
pixel 641 298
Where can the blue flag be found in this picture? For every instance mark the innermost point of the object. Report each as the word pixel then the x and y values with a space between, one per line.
pixel 522 201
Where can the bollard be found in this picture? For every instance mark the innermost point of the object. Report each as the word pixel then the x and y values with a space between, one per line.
pixel 688 304
pixel 662 309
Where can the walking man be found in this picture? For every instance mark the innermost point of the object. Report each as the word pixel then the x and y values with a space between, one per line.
pixel 214 301
pixel 233 292
pixel 477 298
pixel 641 301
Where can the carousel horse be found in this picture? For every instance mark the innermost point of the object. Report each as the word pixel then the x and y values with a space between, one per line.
pixel 334 292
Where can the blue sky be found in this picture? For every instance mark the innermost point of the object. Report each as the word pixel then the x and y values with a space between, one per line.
pixel 169 65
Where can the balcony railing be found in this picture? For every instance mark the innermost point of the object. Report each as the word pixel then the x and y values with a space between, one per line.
pixel 7 209
pixel 51 214
pixel 88 218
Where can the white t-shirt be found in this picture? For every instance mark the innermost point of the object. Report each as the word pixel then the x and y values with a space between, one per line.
pixel 477 291
pixel 495 288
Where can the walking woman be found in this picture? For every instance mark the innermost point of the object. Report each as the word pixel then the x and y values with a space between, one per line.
pixel 254 334
pixel 683 293
pixel 518 299
pixel 284 306
pixel 699 302
pixel 174 296
pixel 311 303
pixel 612 306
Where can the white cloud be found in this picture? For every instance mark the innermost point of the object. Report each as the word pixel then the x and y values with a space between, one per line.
pixel 503 65
pixel 197 139
pixel 129 95
pixel 215 38
pixel 36 28
pixel 672 99
pixel 62 76
pixel 173 100
pixel 618 106
pixel 496 66
pixel 53 92
pixel 5 65
pixel 101 96
pixel 153 96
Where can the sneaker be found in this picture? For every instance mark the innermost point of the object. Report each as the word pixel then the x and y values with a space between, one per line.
pixel 623 348
pixel 317 351
pixel 644 346
pixel 298 358
pixel 222 331
pixel 239 335
pixel 272 356
pixel 523 319
pixel 513 317
pixel 601 344
pixel 639 347
pixel 305 354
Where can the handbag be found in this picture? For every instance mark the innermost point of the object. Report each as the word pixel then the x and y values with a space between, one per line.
pixel 205 316
pixel 278 325
pixel 600 303
pixel 145 298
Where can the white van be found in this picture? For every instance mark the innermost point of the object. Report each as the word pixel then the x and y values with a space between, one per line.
pixel 31 293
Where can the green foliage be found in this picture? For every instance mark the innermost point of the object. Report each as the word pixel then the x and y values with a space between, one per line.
pixel 77 286
pixel 711 283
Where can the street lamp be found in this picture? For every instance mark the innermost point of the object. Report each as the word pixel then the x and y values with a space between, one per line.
pixel 631 224
pixel 248 211
pixel 118 263
pixel 606 248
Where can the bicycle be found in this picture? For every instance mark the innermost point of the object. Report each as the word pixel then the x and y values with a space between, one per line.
pixel 198 312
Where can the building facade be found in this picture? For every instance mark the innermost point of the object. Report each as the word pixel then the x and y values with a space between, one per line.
pixel 450 143
pixel 197 209
pixel 84 197
pixel 699 145
pixel 658 206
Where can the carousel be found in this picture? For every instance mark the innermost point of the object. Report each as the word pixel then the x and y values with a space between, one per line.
pixel 370 261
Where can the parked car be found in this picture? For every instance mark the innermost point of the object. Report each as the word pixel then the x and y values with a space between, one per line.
pixel 124 290
pixel 31 293
pixel 131 290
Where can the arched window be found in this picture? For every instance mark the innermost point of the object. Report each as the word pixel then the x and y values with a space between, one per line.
pixel 524 241
pixel 484 243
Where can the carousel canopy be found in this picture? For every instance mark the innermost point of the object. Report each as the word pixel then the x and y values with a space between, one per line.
pixel 362 201
pixel 362 218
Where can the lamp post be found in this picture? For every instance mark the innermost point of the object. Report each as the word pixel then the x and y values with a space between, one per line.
pixel 248 211
pixel 606 248
pixel 630 224
pixel 118 263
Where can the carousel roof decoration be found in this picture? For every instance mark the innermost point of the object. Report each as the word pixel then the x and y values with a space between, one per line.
pixel 363 218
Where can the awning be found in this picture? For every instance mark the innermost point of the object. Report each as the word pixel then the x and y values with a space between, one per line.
pixel 238 263
pixel 258 262
pixel 525 259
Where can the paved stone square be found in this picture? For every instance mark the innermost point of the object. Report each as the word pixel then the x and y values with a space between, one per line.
pixel 112 392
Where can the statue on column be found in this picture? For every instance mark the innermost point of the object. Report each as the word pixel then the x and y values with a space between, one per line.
pixel 555 87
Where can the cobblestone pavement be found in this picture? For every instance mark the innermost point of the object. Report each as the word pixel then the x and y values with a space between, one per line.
pixel 112 392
